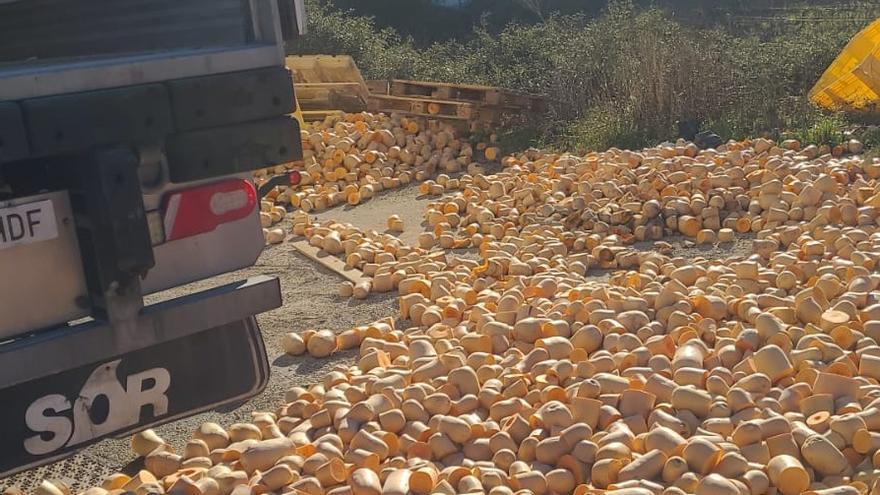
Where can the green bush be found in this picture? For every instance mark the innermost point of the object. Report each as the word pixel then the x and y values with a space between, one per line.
pixel 870 136
pixel 824 129
pixel 601 128
pixel 379 53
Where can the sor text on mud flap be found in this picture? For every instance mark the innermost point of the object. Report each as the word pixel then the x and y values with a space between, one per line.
pixel 58 421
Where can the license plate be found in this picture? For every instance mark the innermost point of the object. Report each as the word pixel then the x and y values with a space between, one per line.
pixel 49 418
pixel 41 271
pixel 27 224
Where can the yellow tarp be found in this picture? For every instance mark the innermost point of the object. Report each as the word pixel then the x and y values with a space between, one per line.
pixel 852 81
pixel 299 115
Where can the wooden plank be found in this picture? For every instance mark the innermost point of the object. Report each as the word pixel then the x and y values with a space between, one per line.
pixel 426 100
pixel 338 71
pixel 451 85
pixel 429 116
pixel 333 85
pixel 421 106
pixel 473 93
pixel 444 92
pixel 345 96
pixel 379 87
pixel 326 260
pixel 315 115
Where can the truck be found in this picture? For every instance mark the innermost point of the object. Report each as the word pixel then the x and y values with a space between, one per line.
pixel 129 132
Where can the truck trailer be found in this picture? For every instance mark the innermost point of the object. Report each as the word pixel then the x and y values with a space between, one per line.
pixel 129 131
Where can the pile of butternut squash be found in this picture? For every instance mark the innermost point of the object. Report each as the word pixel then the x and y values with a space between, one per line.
pixel 516 371
pixel 351 158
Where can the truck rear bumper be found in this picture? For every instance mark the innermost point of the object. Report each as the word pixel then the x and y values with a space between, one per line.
pixel 66 388
pixel 60 349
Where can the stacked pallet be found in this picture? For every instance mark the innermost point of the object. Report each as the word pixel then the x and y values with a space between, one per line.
pixel 329 85
pixel 466 106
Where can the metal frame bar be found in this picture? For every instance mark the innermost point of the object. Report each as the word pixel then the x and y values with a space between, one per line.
pixel 72 77
pixel 301 19
pixel 52 351
pixel 267 24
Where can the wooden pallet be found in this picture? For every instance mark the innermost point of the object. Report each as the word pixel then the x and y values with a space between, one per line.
pixel 422 107
pixel 378 87
pixel 328 82
pixel 487 95
pixel 339 95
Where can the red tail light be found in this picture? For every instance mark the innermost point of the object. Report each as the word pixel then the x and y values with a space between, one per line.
pixel 294 177
pixel 202 209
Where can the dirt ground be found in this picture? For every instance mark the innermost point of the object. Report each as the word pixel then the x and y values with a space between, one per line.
pixel 404 202
pixel 310 301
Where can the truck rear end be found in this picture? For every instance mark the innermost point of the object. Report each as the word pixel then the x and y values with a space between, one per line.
pixel 129 130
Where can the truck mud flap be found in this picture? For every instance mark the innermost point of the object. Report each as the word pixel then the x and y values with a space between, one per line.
pixel 196 369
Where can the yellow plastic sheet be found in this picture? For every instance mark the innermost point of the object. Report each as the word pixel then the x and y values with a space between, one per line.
pixel 298 114
pixel 852 82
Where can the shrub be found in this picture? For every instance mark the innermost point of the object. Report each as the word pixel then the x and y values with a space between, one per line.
pixel 624 77
pixel 870 136
pixel 603 127
pixel 379 53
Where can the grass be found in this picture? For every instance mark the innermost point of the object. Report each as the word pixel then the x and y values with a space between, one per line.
pixel 827 129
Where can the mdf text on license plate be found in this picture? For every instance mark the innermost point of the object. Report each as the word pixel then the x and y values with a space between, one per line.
pixel 26 224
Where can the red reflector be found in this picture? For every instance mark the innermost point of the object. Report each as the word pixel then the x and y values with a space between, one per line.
pixel 294 177
pixel 202 209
